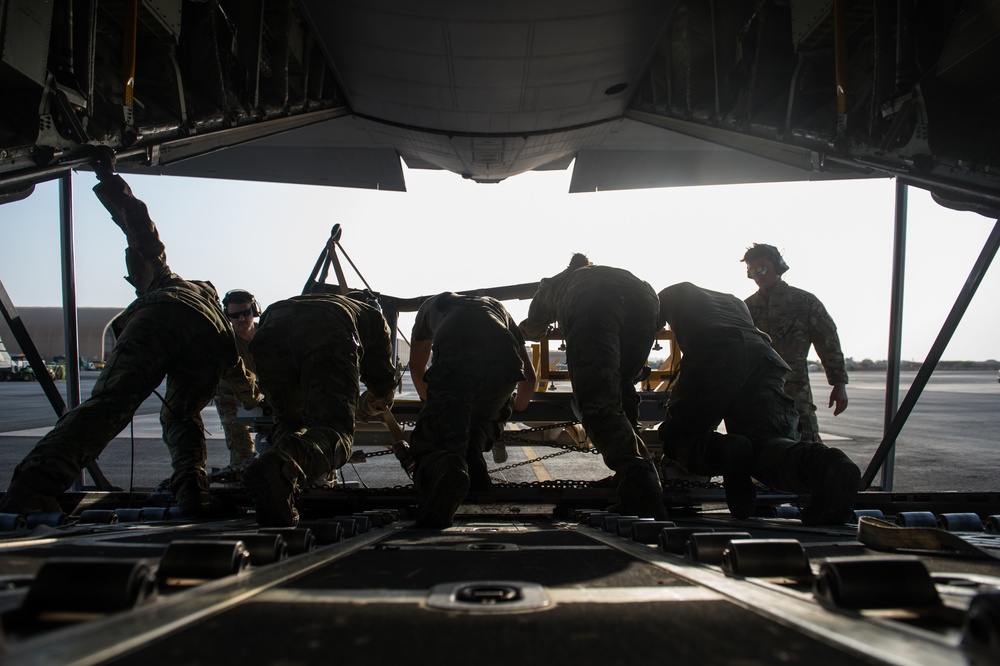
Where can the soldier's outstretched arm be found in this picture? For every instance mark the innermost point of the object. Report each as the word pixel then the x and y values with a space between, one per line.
pixel 131 216
pixel 146 256
pixel 541 313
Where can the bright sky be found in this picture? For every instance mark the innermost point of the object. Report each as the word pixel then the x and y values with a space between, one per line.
pixel 447 233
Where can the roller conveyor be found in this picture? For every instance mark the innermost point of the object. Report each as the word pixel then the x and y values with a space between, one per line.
pixel 583 586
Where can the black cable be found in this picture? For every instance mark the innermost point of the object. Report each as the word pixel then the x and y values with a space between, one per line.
pixel 187 422
pixel 131 473
pixel 362 481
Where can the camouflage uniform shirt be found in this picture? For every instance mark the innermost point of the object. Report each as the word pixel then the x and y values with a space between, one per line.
pixel 796 320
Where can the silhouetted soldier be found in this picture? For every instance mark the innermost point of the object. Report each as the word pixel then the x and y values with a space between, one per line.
pixel 174 329
pixel 310 352
pixel 479 360
pixel 608 317
pixel 730 372
pixel 796 320
pixel 242 310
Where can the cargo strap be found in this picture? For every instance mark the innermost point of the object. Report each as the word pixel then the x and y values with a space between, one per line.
pixel 883 535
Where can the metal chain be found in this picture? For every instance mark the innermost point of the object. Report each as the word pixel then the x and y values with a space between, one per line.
pixel 378 453
pixel 566 448
pixel 507 436
pixel 526 462
pixel 686 484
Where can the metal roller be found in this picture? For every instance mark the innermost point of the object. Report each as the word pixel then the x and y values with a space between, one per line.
pixel 870 513
pixel 366 523
pixel 580 515
pixel 765 557
pixel 265 548
pixel 916 519
pixel 299 539
pixel 11 521
pixel 674 539
pixel 960 522
pixel 33 520
pixel 325 532
pixel 98 517
pixel 155 512
pixel 596 519
pixel 883 582
pixel 379 518
pixel 349 524
pixel 777 511
pixel 993 524
pixel 613 521
pixel 90 585
pixel 981 629
pixel 707 547
pixel 185 562
pixel 625 526
pixel 361 523
pixel 130 515
pixel 648 531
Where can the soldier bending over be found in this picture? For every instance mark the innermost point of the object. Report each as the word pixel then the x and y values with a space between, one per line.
pixel 174 329
pixel 479 360
pixel 729 371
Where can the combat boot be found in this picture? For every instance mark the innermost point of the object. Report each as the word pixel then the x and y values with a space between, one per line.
pixel 22 500
pixel 194 500
pixel 274 484
pixel 479 476
pixel 640 493
pixel 836 481
pixel 443 482
pixel 733 454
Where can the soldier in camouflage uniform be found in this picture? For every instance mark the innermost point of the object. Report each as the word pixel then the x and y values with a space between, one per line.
pixel 241 309
pixel 608 317
pixel 796 320
pixel 175 328
pixel 310 352
pixel 479 360
pixel 730 372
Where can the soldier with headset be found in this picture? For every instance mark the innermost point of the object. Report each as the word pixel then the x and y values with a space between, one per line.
pixel 796 320
pixel 242 310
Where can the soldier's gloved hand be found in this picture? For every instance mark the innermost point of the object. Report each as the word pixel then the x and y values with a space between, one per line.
pixel 104 160
pixel 256 401
pixel 373 406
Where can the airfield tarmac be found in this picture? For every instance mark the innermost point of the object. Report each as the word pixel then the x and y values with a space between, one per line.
pixel 950 442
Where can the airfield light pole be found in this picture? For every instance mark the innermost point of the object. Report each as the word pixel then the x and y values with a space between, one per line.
pixel 895 330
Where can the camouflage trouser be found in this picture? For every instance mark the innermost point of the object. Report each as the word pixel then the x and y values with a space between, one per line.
pixel 607 343
pixel 162 339
pixel 801 393
pixel 739 379
pixel 307 368
pixel 469 397
pixel 239 439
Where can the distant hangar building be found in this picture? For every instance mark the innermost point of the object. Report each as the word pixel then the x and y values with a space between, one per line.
pixel 47 329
